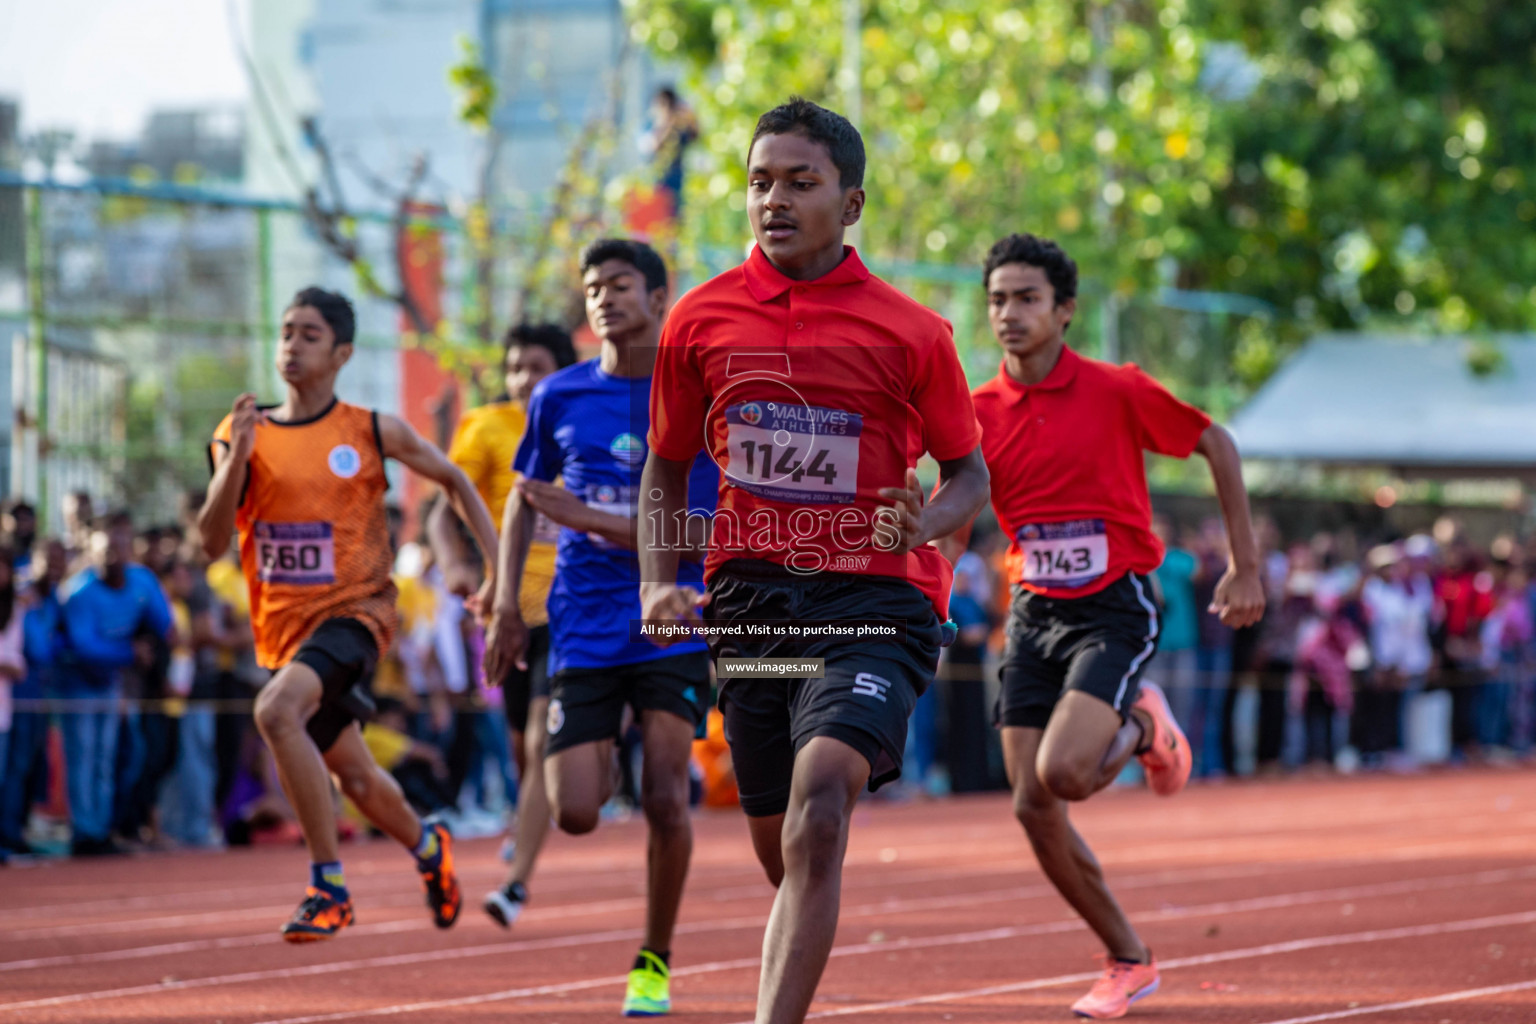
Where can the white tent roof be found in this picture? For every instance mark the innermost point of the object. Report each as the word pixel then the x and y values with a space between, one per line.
pixel 1396 401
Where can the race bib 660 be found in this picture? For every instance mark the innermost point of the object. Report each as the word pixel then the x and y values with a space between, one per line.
pixel 1067 555
pixel 794 453
pixel 298 553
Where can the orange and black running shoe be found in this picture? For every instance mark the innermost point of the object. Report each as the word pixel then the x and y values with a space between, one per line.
pixel 320 916
pixel 438 879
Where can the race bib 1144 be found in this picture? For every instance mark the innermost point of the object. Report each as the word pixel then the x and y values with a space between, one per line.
pixel 1067 555
pixel 303 554
pixel 794 453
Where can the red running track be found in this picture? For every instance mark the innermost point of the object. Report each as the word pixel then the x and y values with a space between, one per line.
pixel 1391 900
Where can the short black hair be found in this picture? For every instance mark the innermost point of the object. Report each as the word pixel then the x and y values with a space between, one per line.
pixel 551 337
pixel 802 117
pixel 637 254
pixel 1060 269
pixel 118 518
pixel 19 506
pixel 334 308
pixel 669 94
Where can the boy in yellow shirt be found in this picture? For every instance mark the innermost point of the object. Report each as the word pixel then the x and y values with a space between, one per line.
pixel 483 447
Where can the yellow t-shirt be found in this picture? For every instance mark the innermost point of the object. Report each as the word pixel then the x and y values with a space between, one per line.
pixel 484 447
pixel 227 582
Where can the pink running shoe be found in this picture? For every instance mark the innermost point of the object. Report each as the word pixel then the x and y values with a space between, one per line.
pixel 1167 759
pixel 1121 985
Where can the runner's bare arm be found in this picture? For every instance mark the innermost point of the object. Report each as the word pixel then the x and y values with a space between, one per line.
pixel 449 550
pixel 506 636
pixel 664 498
pixel 1239 597
pixel 964 485
pixel 410 449
pixel 565 508
pixel 232 461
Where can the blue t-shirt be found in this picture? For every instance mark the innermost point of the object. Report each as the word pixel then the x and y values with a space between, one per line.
pixel 1181 619
pixel 100 622
pixel 588 428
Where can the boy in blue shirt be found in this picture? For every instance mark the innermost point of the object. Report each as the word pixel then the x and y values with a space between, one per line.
pixel 105 608
pixel 587 425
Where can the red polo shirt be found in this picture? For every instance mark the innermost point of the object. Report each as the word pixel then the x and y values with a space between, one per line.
pixel 1069 483
pixel 811 396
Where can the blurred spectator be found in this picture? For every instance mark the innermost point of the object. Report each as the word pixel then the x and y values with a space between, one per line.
pixel 107 607
pixel 18 531
pixel 1329 649
pixel 1213 654
pixel 968 734
pixel 673 129
pixel 1174 664
pixel 418 767
pixel 1295 585
pixel 13 663
pixel 1506 640
pixel 1464 598
pixel 25 768
pixel 78 517
pixel 1391 619
pixel 188 794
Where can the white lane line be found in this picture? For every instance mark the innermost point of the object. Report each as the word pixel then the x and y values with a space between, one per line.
pixel 629 935
pixel 373 868
pixel 1381 935
pixel 880 907
pixel 1412 1004
pixel 1131 882
pixel 1272 949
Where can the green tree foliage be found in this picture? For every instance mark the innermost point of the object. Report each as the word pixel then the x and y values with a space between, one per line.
pixel 980 117
pixel 1381 165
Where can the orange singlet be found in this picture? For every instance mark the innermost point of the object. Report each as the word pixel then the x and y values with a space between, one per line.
pixel 314 543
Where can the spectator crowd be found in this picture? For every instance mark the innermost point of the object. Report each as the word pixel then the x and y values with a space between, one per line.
pixel 127 676
pixel 1374 653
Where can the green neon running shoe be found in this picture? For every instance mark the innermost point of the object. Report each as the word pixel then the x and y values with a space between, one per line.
pixel 649 993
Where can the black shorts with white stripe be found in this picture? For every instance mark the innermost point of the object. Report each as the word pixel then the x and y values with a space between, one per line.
pixel 1098 644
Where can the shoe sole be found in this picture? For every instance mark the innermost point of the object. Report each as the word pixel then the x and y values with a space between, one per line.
pixel 301 938
pixel 1130 1001
pixel 494 910
pixel 647 1013
pixel 1156 693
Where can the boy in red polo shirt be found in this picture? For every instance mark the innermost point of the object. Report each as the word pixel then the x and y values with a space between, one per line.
pixel 816 387
pixel 1063 437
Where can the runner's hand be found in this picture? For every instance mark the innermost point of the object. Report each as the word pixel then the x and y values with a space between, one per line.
pixel 242 427
pixel 669 603
pixel 905 513
pixel 461 579
pixel 482 603
pixel 506 645
pixel 1239 598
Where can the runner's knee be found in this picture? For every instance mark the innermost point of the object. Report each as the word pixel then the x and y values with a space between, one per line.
pixel 277 712
pixel 356 782
pixel 664 800
pixel 1068 781
pixel 813 832
pixel 575 821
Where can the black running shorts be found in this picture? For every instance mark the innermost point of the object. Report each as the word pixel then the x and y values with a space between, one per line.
pixel 522 686
pixel 1098 644
pixel 343 654
pixel 865 696
pixel 587 704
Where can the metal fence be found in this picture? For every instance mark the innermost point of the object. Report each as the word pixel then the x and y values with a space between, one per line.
pixel 138 312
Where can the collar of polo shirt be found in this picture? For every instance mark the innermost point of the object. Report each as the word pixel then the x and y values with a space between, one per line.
pixel 766 283
pixel 1062 374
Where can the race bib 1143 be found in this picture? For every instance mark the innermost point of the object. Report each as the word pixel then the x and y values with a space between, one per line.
pixel 1067 555
pixel 794 453
pixel 303 554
